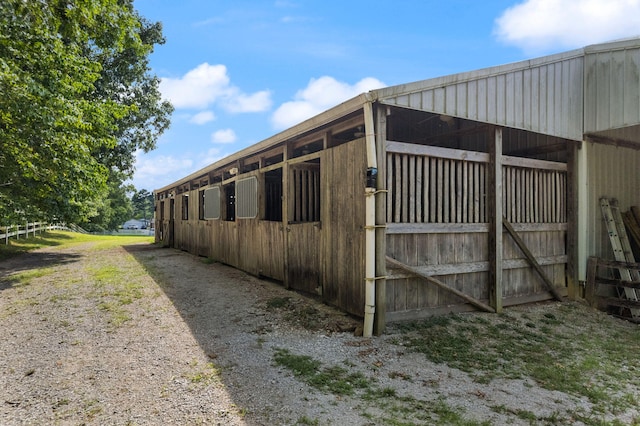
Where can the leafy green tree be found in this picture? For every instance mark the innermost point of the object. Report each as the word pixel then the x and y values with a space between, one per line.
pixel 142 204
pixel 77 100
pixel 114 209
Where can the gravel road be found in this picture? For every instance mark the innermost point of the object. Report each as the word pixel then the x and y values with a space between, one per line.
pixel 146 335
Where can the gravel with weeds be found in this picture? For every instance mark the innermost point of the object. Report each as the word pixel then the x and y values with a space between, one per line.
pixel 120 331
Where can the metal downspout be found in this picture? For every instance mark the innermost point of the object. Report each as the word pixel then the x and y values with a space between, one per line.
pixel 370 221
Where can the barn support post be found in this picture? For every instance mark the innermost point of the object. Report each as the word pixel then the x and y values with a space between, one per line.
pixel 582 216
pixel 370 221
pixel 573 284
pixel 285 214
pixel 494 205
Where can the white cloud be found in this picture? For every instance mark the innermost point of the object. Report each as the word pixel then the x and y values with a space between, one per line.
pixel 210 157
pixel 198 88
pixel 224 136
pixel 206 85
pixel 154 172
pixel 319 95
pixel 257 102
pixel 203 117
pixel 538 25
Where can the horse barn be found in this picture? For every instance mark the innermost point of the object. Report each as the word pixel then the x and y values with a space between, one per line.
pixel 477 190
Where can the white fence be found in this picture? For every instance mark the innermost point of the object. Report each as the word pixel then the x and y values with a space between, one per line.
pixel 28 229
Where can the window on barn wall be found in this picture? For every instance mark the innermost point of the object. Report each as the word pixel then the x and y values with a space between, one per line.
pixel 305 189
pixel 273 195
pixel 211 203
pixel 247 198
pixel 230 201
pixel 185 207
pixel 201 204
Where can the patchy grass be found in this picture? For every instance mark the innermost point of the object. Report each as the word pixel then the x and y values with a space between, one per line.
pixel 388 406
pixel 565 347
pixel 206 375
pixel 26 277
pixel 336 380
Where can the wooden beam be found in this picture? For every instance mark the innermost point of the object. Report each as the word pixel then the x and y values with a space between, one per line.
pixel 286 204
pixel 531 259
pixel 415 271
pixel 494 210
pixel 542 149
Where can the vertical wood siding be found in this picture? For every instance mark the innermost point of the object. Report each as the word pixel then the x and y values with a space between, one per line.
pixel 437 221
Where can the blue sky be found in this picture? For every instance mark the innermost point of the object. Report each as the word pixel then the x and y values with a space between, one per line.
pixel 239 71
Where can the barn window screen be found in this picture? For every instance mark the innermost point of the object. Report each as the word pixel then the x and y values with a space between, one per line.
pixel 247 198
pixel 306 192
pixel 212 203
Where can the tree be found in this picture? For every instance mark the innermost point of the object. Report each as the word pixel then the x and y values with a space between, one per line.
pixel 114 209
pixel 78 100
pixel 142 204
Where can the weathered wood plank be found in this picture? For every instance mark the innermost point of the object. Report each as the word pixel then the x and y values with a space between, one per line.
pixel 495 201
pixel 446 228
pixel 441 285
pixel 435 151
pixel 531 259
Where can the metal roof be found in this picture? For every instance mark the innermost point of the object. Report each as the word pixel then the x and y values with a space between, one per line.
pixel 589 92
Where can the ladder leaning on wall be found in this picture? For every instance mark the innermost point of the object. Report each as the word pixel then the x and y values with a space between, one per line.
pixel 621 248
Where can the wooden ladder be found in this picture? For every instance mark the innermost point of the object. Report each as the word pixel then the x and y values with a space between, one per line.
pixel 621 247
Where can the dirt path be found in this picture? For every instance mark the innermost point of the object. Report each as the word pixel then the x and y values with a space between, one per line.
pixel 145 335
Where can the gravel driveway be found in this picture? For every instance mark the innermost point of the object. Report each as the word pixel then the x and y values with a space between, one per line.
pixel 148 335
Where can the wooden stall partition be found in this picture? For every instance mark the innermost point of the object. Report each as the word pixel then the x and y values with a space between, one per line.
pixel 437 212
pixel 343 221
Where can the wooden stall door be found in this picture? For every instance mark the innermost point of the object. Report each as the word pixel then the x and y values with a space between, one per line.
pixel 304 261
pixel 172 220
pixel 303 231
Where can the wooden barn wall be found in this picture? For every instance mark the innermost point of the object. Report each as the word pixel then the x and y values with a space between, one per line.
pixel 544 97
pixel 324 255
pixel 612 89
pixel 344 177
pixel 437 221
pixel 613 172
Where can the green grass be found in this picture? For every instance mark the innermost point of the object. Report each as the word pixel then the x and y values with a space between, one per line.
pixel 64 239
pixel 336 380
pixel 26 277
pixel 567 347
pixel 385 405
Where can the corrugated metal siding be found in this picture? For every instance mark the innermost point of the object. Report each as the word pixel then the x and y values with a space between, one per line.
pixel 546 98
pixel 614 172
pixel 612 89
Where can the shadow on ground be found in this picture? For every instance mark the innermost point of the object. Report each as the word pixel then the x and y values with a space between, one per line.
pixel 31 261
